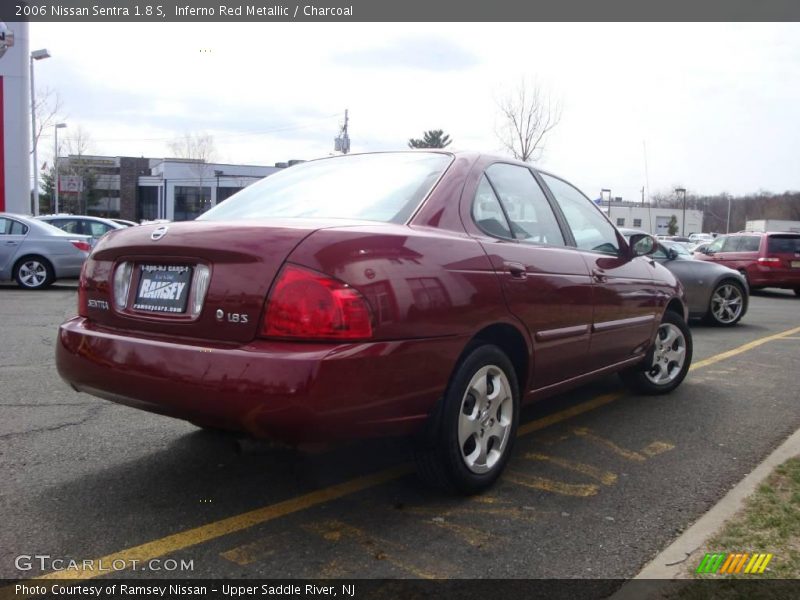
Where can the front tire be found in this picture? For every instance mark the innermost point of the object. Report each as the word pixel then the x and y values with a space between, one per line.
pixel 34 273
pixel 474 433
pixel 727 303
pixel 668 360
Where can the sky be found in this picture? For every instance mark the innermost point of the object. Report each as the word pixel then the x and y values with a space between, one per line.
pixel 709 107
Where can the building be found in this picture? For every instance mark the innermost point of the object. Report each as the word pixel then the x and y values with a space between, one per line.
pixel 150 188
pixel 15 118
pixel 654 220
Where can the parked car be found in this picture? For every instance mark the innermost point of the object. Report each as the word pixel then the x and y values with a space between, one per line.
pixel 713 292
pixel 93 227
pixel 765 259
pixel 402 293
pixel 35 254
pixel 124 222
pixel 700 237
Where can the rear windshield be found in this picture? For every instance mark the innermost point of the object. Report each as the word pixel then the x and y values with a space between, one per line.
pixel 784 243
pixel 375 187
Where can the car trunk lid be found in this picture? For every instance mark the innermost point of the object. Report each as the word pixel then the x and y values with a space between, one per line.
pixel 166 265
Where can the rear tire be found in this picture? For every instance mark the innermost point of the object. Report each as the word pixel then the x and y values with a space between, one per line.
pixel 472 436
pixel 34 273
pixel 668 360
pixel 797 291
pixel 727 304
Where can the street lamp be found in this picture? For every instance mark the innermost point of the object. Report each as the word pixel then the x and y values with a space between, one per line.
pixel 35 55
pixel 55 168
pixel 681 192
pixel 605 194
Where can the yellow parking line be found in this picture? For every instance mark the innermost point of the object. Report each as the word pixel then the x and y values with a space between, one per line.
pixel 204 533
pixel 741 349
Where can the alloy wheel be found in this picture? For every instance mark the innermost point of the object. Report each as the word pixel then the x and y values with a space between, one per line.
pixel 669 355
pixel 32 273
pixel 727 303
pixel 485 418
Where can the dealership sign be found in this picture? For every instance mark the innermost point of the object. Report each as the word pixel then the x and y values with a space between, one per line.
pixel 70 184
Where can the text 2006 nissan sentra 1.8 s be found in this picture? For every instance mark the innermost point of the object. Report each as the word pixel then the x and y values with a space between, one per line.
pixel 427 293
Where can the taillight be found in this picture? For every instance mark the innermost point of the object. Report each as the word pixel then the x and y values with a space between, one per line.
pixel 308 305
pixel 83 246
pixel 83 304
pixel 769 261
pixel 122 284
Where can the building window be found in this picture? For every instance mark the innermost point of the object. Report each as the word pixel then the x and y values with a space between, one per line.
pixel 620 221
pixel 637 222
pixel 191 202
pixel 147 207
pixel 224 193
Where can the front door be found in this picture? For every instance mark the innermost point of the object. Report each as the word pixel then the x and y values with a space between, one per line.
pixel 625 310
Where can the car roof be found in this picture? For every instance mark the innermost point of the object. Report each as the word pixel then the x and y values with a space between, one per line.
pixel 82 217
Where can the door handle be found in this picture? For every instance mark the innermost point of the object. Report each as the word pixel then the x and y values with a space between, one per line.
pixel 599 276
pixel 517 270
pixel 11 243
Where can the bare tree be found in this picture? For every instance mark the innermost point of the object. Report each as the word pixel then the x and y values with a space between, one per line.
pixel 527 114
pixel 79 144
pixel 195 146
pixel 47 108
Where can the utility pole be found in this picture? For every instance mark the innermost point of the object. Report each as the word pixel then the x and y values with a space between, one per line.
pixel 342 142
pixel 642 195
pixel 728 226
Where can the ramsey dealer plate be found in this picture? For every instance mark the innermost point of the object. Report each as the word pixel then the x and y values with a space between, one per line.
pixel 163 288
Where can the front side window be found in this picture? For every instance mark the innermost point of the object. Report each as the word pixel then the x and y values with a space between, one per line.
pixel 98 229
pixel 590 228
pixel 530 214
pixel 716 245
pixel 731 244
pixel 385 187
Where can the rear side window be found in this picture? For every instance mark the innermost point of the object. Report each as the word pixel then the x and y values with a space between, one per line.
pixel 749 243
pixel 487 212
pixel 11 227
pixel 784 243
pixel 590 228
pixel 530 214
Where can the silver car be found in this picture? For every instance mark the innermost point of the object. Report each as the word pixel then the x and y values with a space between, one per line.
pixel 35 254
pixel 719 295
pixel 94 227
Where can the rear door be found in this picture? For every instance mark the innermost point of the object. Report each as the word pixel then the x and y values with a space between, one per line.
pixel 545 283
pixel 624 297
pixel 11 235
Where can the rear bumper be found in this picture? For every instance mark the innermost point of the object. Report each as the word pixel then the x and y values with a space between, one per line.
pixel 68 265
pixel 289 391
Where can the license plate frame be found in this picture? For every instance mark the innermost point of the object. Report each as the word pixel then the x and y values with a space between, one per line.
pixel 795 264
pixel 163 289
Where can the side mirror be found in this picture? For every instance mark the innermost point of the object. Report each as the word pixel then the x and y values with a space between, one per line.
pixel 672 254
pixel 642 244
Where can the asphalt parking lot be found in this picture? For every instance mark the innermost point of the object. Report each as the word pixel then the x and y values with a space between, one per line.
pixel 601 480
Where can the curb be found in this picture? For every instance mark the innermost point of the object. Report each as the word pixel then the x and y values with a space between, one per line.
pixel 671 562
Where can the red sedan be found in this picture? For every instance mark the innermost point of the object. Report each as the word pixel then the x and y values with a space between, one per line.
pixel 425 293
